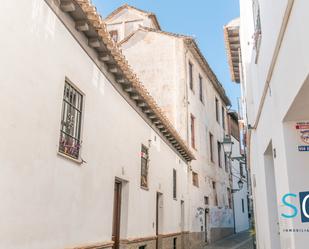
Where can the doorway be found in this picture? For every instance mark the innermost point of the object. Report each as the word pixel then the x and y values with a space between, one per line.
pixel 117 214
pixel 206 225
pixel 159 206
pixel 182 223
pixel 271 195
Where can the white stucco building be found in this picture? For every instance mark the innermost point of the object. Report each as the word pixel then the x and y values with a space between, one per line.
pixel 177 75
pixel 88 160
pixel 239 173
pixel 273 70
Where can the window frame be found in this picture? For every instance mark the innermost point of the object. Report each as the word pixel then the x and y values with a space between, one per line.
pixel 81 102
pixel 195 179
pixel 211 145
pixel 192 130
pixel 217 110
pixel 223 117
pixel 191 84
pixel 174 184
pixel 201 95
pixel 219 150
pixel 112 33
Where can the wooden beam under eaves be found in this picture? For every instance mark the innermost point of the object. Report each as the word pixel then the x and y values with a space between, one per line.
pixel 142 104
pixel 67 6
pixel 114 69
pixel 128 89
pixel 82 26
pixel 121 80
pixel 105 57
pixel 94 42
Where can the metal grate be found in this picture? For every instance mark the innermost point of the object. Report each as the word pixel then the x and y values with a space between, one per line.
pixel 70 131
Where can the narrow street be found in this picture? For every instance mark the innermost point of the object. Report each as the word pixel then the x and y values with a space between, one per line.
pixel 238 241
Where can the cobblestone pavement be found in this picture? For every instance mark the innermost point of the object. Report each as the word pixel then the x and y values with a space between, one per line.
pixel 238 241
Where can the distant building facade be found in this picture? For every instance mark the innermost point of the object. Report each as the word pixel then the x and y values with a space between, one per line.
pixel 239 173
pixel 177 75
pixel 273 72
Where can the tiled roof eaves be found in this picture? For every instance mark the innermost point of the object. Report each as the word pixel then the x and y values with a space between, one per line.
pixel 121 66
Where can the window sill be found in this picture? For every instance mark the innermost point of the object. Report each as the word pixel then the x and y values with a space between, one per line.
pixel 145 188
pixel 175 199
pixel 77 161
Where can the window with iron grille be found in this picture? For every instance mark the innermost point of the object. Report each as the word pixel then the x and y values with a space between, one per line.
pixel 174 184
pixel 144 166
pixel 243 205
pixel 257 24
pixel 70 131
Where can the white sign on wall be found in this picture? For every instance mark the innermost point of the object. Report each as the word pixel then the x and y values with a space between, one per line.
pixel 303 134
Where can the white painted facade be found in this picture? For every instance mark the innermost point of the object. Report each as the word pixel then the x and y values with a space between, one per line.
pixel 162 60
pixel 49 201
pixel 276 90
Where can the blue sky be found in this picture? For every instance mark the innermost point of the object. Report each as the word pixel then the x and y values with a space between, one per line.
pixel 203 19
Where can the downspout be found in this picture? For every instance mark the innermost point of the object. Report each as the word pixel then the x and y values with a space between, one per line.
pixel 284 25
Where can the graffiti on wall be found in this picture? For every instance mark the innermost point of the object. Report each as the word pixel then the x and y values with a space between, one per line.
pixel 221 217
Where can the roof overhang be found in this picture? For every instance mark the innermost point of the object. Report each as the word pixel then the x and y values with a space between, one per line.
pixel 232 44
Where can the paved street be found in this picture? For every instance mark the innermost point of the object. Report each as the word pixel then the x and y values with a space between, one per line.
pixel 238 241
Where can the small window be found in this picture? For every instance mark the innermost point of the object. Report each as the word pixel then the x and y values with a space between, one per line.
pixel 174 184
pixel 114 35
pixel 206 200
pixel 211 142
pixel 70 131
pixel 201 88
pixel 193 131
pixel 191 75
pixel 219 154
pixel 241 169
pixel 175 243
pixel 144 166
pixel 217 110
pixel 142 247
pixel 195 179
pixel 223 117
pixel 243 205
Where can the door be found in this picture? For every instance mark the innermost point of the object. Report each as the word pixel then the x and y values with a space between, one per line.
pixel 182 220
pixel 271 196
pixel 206 227
pixel 116 214
pixel 158 218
